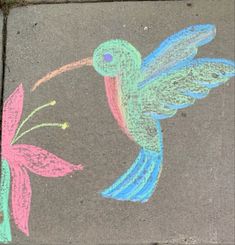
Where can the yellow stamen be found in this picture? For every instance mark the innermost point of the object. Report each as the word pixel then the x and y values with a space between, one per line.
pixel 51 103
pixel 65 125
pixel 43 125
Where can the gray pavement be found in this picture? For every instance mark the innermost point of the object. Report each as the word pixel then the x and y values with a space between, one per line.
pixel 194 203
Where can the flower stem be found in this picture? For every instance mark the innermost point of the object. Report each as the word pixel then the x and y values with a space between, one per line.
pixel 5 228
pixel 51 103
pixel 60 125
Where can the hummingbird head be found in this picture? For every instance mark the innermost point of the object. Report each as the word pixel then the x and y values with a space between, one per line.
pixel 111 58
pixel 116 58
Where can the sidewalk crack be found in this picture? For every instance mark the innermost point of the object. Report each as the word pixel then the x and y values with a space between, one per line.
pixel 4 42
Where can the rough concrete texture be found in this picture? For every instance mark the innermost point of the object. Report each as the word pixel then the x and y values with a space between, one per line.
pixel 194 202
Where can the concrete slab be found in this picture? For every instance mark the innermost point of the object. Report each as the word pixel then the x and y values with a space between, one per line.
pixel 194 202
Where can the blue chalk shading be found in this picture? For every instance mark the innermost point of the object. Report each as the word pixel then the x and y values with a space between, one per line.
pixel 179 106
pixel 211 85
pixel 189 64
pixel 181 36
pixel 187 34
pixel 195 95
pixel 199 61
pixel 157 116
pixel 140 180
pixel 166 72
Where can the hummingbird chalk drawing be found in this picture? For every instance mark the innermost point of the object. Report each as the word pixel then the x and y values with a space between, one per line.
pixel 142 92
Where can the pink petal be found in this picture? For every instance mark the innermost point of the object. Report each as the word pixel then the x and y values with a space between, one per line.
pixel 12 111
pixel 21 197
pixel 42 162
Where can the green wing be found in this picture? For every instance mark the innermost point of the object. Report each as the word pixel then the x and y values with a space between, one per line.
pixel 177 89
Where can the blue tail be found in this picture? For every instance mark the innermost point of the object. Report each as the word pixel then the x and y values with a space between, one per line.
pixel 140 180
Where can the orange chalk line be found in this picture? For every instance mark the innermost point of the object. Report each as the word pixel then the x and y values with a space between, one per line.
pixel 62 69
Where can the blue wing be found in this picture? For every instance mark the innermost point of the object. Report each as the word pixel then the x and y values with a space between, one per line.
pixel 176 51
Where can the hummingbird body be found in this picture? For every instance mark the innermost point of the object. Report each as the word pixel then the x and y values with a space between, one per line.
pixel 124 98
pixel 125 101
pixel 138 183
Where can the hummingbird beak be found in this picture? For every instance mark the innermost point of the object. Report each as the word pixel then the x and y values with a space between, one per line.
pixel 62 69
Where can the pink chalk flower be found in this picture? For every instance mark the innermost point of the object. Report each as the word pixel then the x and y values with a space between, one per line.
pixel 23 158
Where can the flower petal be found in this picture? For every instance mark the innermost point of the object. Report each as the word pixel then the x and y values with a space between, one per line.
pixel 20 197
pixel 42 162
pixel 12 111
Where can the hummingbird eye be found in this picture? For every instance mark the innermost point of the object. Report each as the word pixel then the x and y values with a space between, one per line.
pixel 108 57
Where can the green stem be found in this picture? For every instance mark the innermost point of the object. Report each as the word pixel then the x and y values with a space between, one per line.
pixel 5 228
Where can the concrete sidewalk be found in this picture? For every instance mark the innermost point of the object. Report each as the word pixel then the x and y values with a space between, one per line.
pixel 194 201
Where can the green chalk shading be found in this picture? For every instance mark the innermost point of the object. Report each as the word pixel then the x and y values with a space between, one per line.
pixel 5 229
pixel 126 64
pixel 151 94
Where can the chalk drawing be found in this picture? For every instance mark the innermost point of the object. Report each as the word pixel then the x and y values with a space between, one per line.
pixel 141 93
pixel 18 159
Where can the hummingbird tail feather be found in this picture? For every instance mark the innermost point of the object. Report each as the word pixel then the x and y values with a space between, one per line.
pixel 138 183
